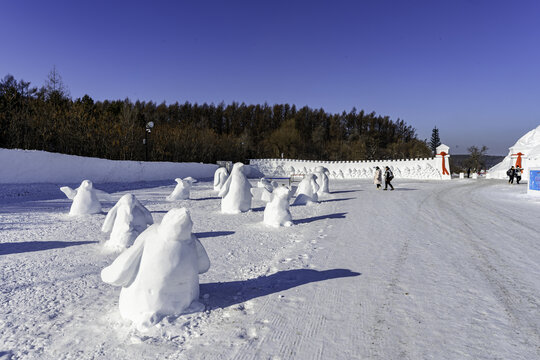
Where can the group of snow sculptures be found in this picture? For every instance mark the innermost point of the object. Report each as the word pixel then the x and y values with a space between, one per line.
pixel 159 264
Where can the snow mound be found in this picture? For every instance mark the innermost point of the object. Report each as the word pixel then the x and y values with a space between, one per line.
pixel 529 146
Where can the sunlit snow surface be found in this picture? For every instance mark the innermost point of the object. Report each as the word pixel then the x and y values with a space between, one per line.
pixel 433 270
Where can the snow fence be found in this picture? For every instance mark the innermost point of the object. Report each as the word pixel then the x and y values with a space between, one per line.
pixel 32 166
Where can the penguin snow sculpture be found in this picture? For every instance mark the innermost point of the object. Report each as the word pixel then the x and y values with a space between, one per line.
pixel 322 180
pixel 182 189
pixel 85 198
pixel 159 274
pixel 220 177
pixel 307 191
pixel 126 220
pixel 277 211
pixel 236 192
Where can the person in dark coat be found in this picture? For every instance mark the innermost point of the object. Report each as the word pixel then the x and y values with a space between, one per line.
pixel 468 173
pixel 518 174
pixel 388 176
pixel 511 173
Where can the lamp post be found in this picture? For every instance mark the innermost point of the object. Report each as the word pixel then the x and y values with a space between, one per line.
pixel 148 130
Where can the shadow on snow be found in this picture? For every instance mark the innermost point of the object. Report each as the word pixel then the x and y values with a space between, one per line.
pixel 320 217
pixel 230 293
pixel 30 246
pixel 210 234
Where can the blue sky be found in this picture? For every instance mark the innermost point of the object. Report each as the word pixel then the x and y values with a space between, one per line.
pixel 471 68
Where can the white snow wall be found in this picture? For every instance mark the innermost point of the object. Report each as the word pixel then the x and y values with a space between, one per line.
pixel 32 166
pixel 427 168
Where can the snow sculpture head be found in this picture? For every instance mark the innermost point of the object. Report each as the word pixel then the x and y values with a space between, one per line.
pixel 176 225
pixel 220 177
pixel 126 220
pixel 182 189
pixel 277 211
pixel 307 191
pixel 159 274
pixel 236 192
pixel 85 199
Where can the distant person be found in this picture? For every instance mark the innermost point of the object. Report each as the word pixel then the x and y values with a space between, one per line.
pixel 518 174
pixel 388 176
pixel 511 173
pixel 377 178
pixel 468 173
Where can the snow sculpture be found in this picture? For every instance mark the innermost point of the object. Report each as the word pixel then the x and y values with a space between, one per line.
pixel 220 177
pixel 85 198
pixel 126 220
pixel 159 274
pixel 322 179
pixel 277 211
pixel 307 191
pixel 182 189
pixel 236 192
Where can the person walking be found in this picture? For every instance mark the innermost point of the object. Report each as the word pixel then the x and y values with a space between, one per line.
pixel 377 178
pixel 388 176
pixel 468 173
pixel 518 174
pixel 511 173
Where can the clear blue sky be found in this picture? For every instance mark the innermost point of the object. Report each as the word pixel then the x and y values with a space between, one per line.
pixel 471 68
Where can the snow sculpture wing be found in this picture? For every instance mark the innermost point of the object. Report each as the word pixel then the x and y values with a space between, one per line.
pixel 124 269
pixel 225 188
pixel 70 193
pixel 202 256
pixel 103 196
pixel 146 213
pixel 109 219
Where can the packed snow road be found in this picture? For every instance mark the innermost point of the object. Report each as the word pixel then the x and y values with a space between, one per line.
pixel 433 270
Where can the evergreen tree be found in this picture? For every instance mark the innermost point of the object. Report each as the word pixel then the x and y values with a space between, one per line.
pixel 435 140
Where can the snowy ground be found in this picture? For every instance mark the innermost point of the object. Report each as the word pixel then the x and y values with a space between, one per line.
pixel 433 270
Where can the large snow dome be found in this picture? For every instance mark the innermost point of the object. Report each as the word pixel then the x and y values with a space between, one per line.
pixel 528 146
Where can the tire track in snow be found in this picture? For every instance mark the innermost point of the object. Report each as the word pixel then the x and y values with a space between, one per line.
pixel 503 286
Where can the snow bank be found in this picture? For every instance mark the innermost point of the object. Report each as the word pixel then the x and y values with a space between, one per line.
pixel 32 166
pixel 529 147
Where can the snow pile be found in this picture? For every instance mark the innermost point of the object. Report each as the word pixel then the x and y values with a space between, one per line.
pixel 126 220
pixel 277 211
pixel 307 191
pixel 159 274
pixel 220 177
pixel 85 199
pixel 182 189
pixel 32 166
pixel 236 192
pixel 529 146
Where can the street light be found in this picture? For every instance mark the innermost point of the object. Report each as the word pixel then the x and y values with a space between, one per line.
pixel 149 127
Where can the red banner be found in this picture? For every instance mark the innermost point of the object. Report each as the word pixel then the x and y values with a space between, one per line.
pixel 444 171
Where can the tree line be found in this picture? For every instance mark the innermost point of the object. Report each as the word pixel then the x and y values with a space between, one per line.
pixel 48 119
